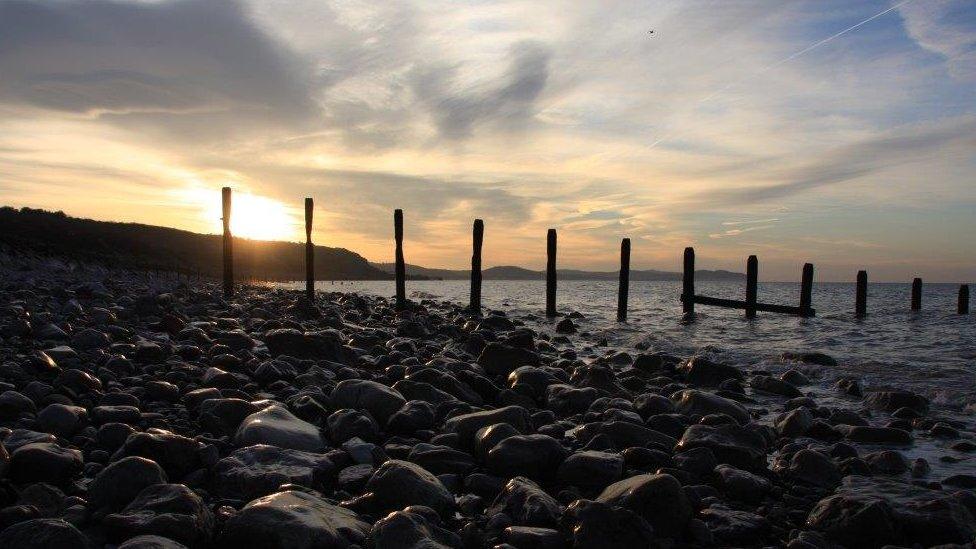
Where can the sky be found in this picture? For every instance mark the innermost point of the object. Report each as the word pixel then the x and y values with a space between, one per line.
pixel 834 132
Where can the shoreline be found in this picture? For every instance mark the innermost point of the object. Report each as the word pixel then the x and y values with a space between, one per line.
pixel 138 407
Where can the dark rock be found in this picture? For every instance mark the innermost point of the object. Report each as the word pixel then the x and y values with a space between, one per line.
pixel 169 510
pixel 379 400
pixel 499 359
pixel 855 522
pixel 527 504
pixel 347 423
pixel 742 485
pixel 44 462
pixel 467 425
pixel 176 454
pixel 893 400
pixel 14 404
pixel 398 484
pixel 531 536
pixel 591 470
pixel 43 534
pixel 771 385
pixel 534 456
pixel 740 446
pixel 596 525
pixel 415 415
pixel 61 420
pixel 441 460
pixel 223 416
pixel 293 520
pixel 691 402
pixel 151 542
pixel 794 423
pixel 415 527
pixel 887 462
pixel 259 470
pixel 276 426
pixel 291 342
pixel 814 468
pixel 701 372
pixel 657 498
pixel 119 483
pixel 733 527
pixel 878 435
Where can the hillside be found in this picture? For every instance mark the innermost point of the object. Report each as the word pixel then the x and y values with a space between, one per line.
pixel 137 246
pixel 519 273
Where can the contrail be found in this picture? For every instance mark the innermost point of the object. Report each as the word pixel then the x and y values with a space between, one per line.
pixel 791 57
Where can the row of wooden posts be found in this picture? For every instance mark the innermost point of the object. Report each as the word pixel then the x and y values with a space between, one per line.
pixel 689 298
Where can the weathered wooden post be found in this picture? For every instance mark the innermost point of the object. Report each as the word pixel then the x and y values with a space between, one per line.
pixel 551 273
pixel 228 245
pixel 861 299
pixel 477 237
pixel 752 285
pixel 806 290
pixel 688 283
pixel 309 252
pixel 962 306
pixel 401 269
pixel 624 280
pixel 917 294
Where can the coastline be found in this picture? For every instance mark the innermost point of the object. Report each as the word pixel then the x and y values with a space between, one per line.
pixel 361 425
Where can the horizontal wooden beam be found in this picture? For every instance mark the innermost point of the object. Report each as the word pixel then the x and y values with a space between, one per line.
pixel 765 307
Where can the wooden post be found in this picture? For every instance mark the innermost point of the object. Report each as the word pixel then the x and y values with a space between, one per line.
pixel 551 273
pixel 752 285
pixel 688 282
pixel 477 238
pixel 401 269
pixel 228 246
pixel 963 305
pixel 917 294
pixel 309 252
pixel 861 300
pixel 806 290
pixel 624 280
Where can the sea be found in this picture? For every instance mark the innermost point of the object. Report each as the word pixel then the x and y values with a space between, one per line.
pixel 931 352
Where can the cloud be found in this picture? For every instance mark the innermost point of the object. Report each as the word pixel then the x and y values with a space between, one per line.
pixel 900 146
pixel 947 28
pixel 149 62
pixel 509 104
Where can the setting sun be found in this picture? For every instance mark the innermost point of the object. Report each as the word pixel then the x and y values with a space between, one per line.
pixel 252 216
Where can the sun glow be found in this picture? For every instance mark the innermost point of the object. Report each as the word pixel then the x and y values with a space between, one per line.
pixel 252 216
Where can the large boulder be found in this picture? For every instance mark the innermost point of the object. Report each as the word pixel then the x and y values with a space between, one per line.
pixel 276 426
pixel 119 483
pixel 293 520
pixel 591 469
pixel 259 470
pixel 176 454
pixel 379 400
pixel 312 345
pixel 596 525
pixel 44 462
pixel 500 359
pixel 527 504
pixel 398 484
pixel 467 425
pixel 415 527
pixel 659 499
pixel 691 402
pixel 740 446
pixel 701 372
pixel 43 534
pixel 169 510
pixel 535 456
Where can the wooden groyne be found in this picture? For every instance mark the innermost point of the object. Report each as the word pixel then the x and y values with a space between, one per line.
pixel 751 305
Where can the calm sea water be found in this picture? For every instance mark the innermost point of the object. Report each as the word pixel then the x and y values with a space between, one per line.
pixel 932 351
